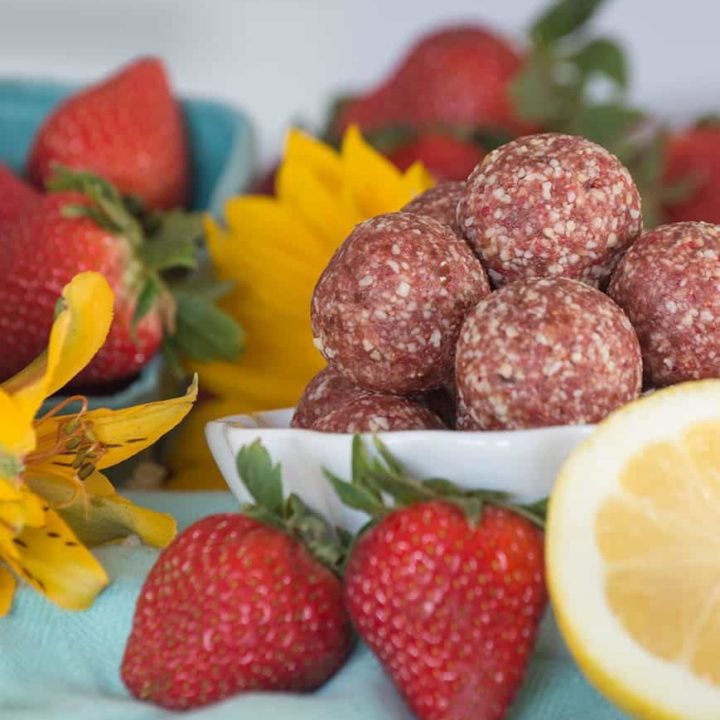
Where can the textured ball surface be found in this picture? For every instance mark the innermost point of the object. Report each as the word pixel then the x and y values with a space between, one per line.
pixel 439 202
pixel 545 352
pixel 549 206
pixel 668 283
pixel 387 310
pixel 378 413
pixel 325 392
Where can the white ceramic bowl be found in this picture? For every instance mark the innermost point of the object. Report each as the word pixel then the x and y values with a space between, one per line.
pixel 522 462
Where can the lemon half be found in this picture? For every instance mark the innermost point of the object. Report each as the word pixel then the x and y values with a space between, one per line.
pixel 633 554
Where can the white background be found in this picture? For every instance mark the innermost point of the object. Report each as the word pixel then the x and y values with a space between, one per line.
pixel 282 59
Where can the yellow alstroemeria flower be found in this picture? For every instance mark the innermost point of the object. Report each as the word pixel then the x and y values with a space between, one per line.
pixel 273 250
pixel 54 498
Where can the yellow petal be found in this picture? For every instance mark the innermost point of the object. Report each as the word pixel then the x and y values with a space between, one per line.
pixel 25 509
pixel 416 179
pixel 77 334
pixel 373 180
pixel 7 590
pixel 54 562
pixel 301 189
pixel 100 515
pixel 17 437
pixel 321 159
pixel 123 433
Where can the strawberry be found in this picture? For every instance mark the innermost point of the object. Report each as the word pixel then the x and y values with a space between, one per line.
pixel 237 604
pixel 446 157
pixel 447 592
pixel 128 129
pixel 694 155
pixel 15 195
pixel 41 251
pixel 457 76
pixel 84 224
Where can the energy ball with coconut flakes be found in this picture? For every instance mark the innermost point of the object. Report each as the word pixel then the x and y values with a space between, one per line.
pixel 387 310
pixel 550 206
pixel 326 391
pixel 545 352
pixel 669 285
pixel 439 202
pixel 378 413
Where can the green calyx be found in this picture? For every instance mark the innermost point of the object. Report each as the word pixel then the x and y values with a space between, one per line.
pixel 263 481
pixel 377 475
pixel 168 272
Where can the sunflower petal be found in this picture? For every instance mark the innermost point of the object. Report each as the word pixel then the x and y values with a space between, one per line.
pixel 99 515
pixel 318 157
pixel 7 590
pixel 53 561
pixel 77 334
pixel 416 179
pixel 373 180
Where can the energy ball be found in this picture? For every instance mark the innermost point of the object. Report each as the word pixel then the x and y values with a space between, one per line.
pixel 439 202
pixel 550 351
pixel 326 391
pixel 387 310
pixel 668 283
pixel 378 413
pixel 550 206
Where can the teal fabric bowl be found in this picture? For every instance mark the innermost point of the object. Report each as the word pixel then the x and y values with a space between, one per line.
pixel 222 157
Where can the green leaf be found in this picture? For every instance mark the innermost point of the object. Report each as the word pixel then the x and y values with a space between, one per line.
pixel 391 461
pixel 168 252
pixel 602 57
pixel 204 332
pixel 176 225
pixel 606 123
pixel 355 496
pixel 315 532
pixel 145 301
pixel 562 19
pixel 536 95
pixel 262 479
pixel 262 515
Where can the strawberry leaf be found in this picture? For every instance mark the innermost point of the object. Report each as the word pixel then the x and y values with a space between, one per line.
pixel 262 479
pixel 606 124
pixel 145 301
pixel 355 496
pixel 204 332
pixel 168 252
pixel 602 56
pixel 562 19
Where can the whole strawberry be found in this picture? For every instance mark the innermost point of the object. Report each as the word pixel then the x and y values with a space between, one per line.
pixel 445 156
pixel 84 224
pixel 237 604
pixel 456 76
pixel 128 129
pixel 448 593
pixel 694 156
pixel 15 195
pixel 41 251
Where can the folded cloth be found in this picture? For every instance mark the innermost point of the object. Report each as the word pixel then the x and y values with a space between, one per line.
pixel 58 665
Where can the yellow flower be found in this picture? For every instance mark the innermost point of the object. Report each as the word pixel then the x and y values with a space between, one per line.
pixel 53 496
pixel 274 250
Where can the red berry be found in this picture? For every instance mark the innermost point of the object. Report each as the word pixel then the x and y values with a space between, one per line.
pixel 695 154
pixel 450 609
pixel 15 195
pixel 128 129
pixel 446 157
pixel 233 605
pixel 41 251
pixel 458 75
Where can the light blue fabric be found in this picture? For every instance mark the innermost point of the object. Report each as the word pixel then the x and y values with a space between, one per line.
pixel 64 666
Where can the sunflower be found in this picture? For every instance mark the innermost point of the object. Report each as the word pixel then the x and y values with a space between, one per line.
pixel 54 499
pixel 272 250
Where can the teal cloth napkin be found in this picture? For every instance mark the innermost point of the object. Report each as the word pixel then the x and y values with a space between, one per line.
pixel 64 666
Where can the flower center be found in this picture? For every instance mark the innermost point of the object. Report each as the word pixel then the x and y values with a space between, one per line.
pixel 74 439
